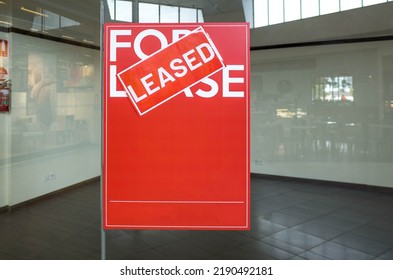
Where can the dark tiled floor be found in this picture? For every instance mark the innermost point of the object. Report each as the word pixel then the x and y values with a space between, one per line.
pixel 289 220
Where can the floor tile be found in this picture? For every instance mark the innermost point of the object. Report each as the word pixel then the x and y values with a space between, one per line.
pixel 117 248
pixel 315 205
pixel 330 202
pixel 374 208
pixel 89 240
pixel 374 233
pixel 382 224
pixel 183 250
pixel 353 215
pixel 286 199
pixel 258 208
pixel 356 193
pixel 363 244
pixel 8 220
pixel 283 219
pixel 240 237
pixel 62 254
pixel 263 192
pixel 70 249
pixel 318 230
pixel 297 238
pixel 150 254
pixel 308 255
pixel 8 236
pixel 156 237
pixel 270 250
pixel 283 245
pixel 385 198
pixel 53 234
pixel 303 194
pixel 298 258
pixel 265 204
pixel 300 212
pixel 32 224
pixel 213 243
pixel 26 248
pixel 388 216
pixel 245 252
pixel 336 222
pixel 261 227
pixel 4 256
pixel 388 255
pixel 183 234
pixel 336 251
pixel 291 219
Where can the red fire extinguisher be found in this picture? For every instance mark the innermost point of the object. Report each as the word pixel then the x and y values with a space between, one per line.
pixel 5 96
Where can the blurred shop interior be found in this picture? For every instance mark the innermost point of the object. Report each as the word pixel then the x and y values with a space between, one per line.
pixel 321 87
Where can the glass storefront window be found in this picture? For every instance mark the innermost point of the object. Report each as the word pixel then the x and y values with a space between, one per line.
pixel 123 11
pixel 292 10
pixel 350 4
pixel 267 12
pixel 310 8
pixel 276 12
pixel 329 6
pixel 261 13
pixel 200 16
pixel 188 15
pixel 56 95
pixel 323 112
pixel 149 12
pixel 169 13
pixel 372 2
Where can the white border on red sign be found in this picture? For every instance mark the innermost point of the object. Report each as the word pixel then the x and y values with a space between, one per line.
pixel 247 153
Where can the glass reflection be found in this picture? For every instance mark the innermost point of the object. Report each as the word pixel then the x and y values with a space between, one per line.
pixel 123 11
pixel 292 10
pixel 333 106
pixel 169 14
pixel 149 12
pixel 56 99
pixel 188 15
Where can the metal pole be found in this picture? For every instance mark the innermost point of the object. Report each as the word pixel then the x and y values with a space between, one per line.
pixel 135 11
pixel 103 245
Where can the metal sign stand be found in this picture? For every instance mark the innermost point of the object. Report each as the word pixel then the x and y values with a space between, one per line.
pixel 103 237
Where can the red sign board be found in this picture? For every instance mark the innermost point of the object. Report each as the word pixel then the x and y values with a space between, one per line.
pixel 176 126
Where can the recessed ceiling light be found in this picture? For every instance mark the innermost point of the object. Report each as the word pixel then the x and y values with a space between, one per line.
pixel 33 12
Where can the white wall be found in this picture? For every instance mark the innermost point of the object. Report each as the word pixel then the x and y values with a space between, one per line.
pixel 69 168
